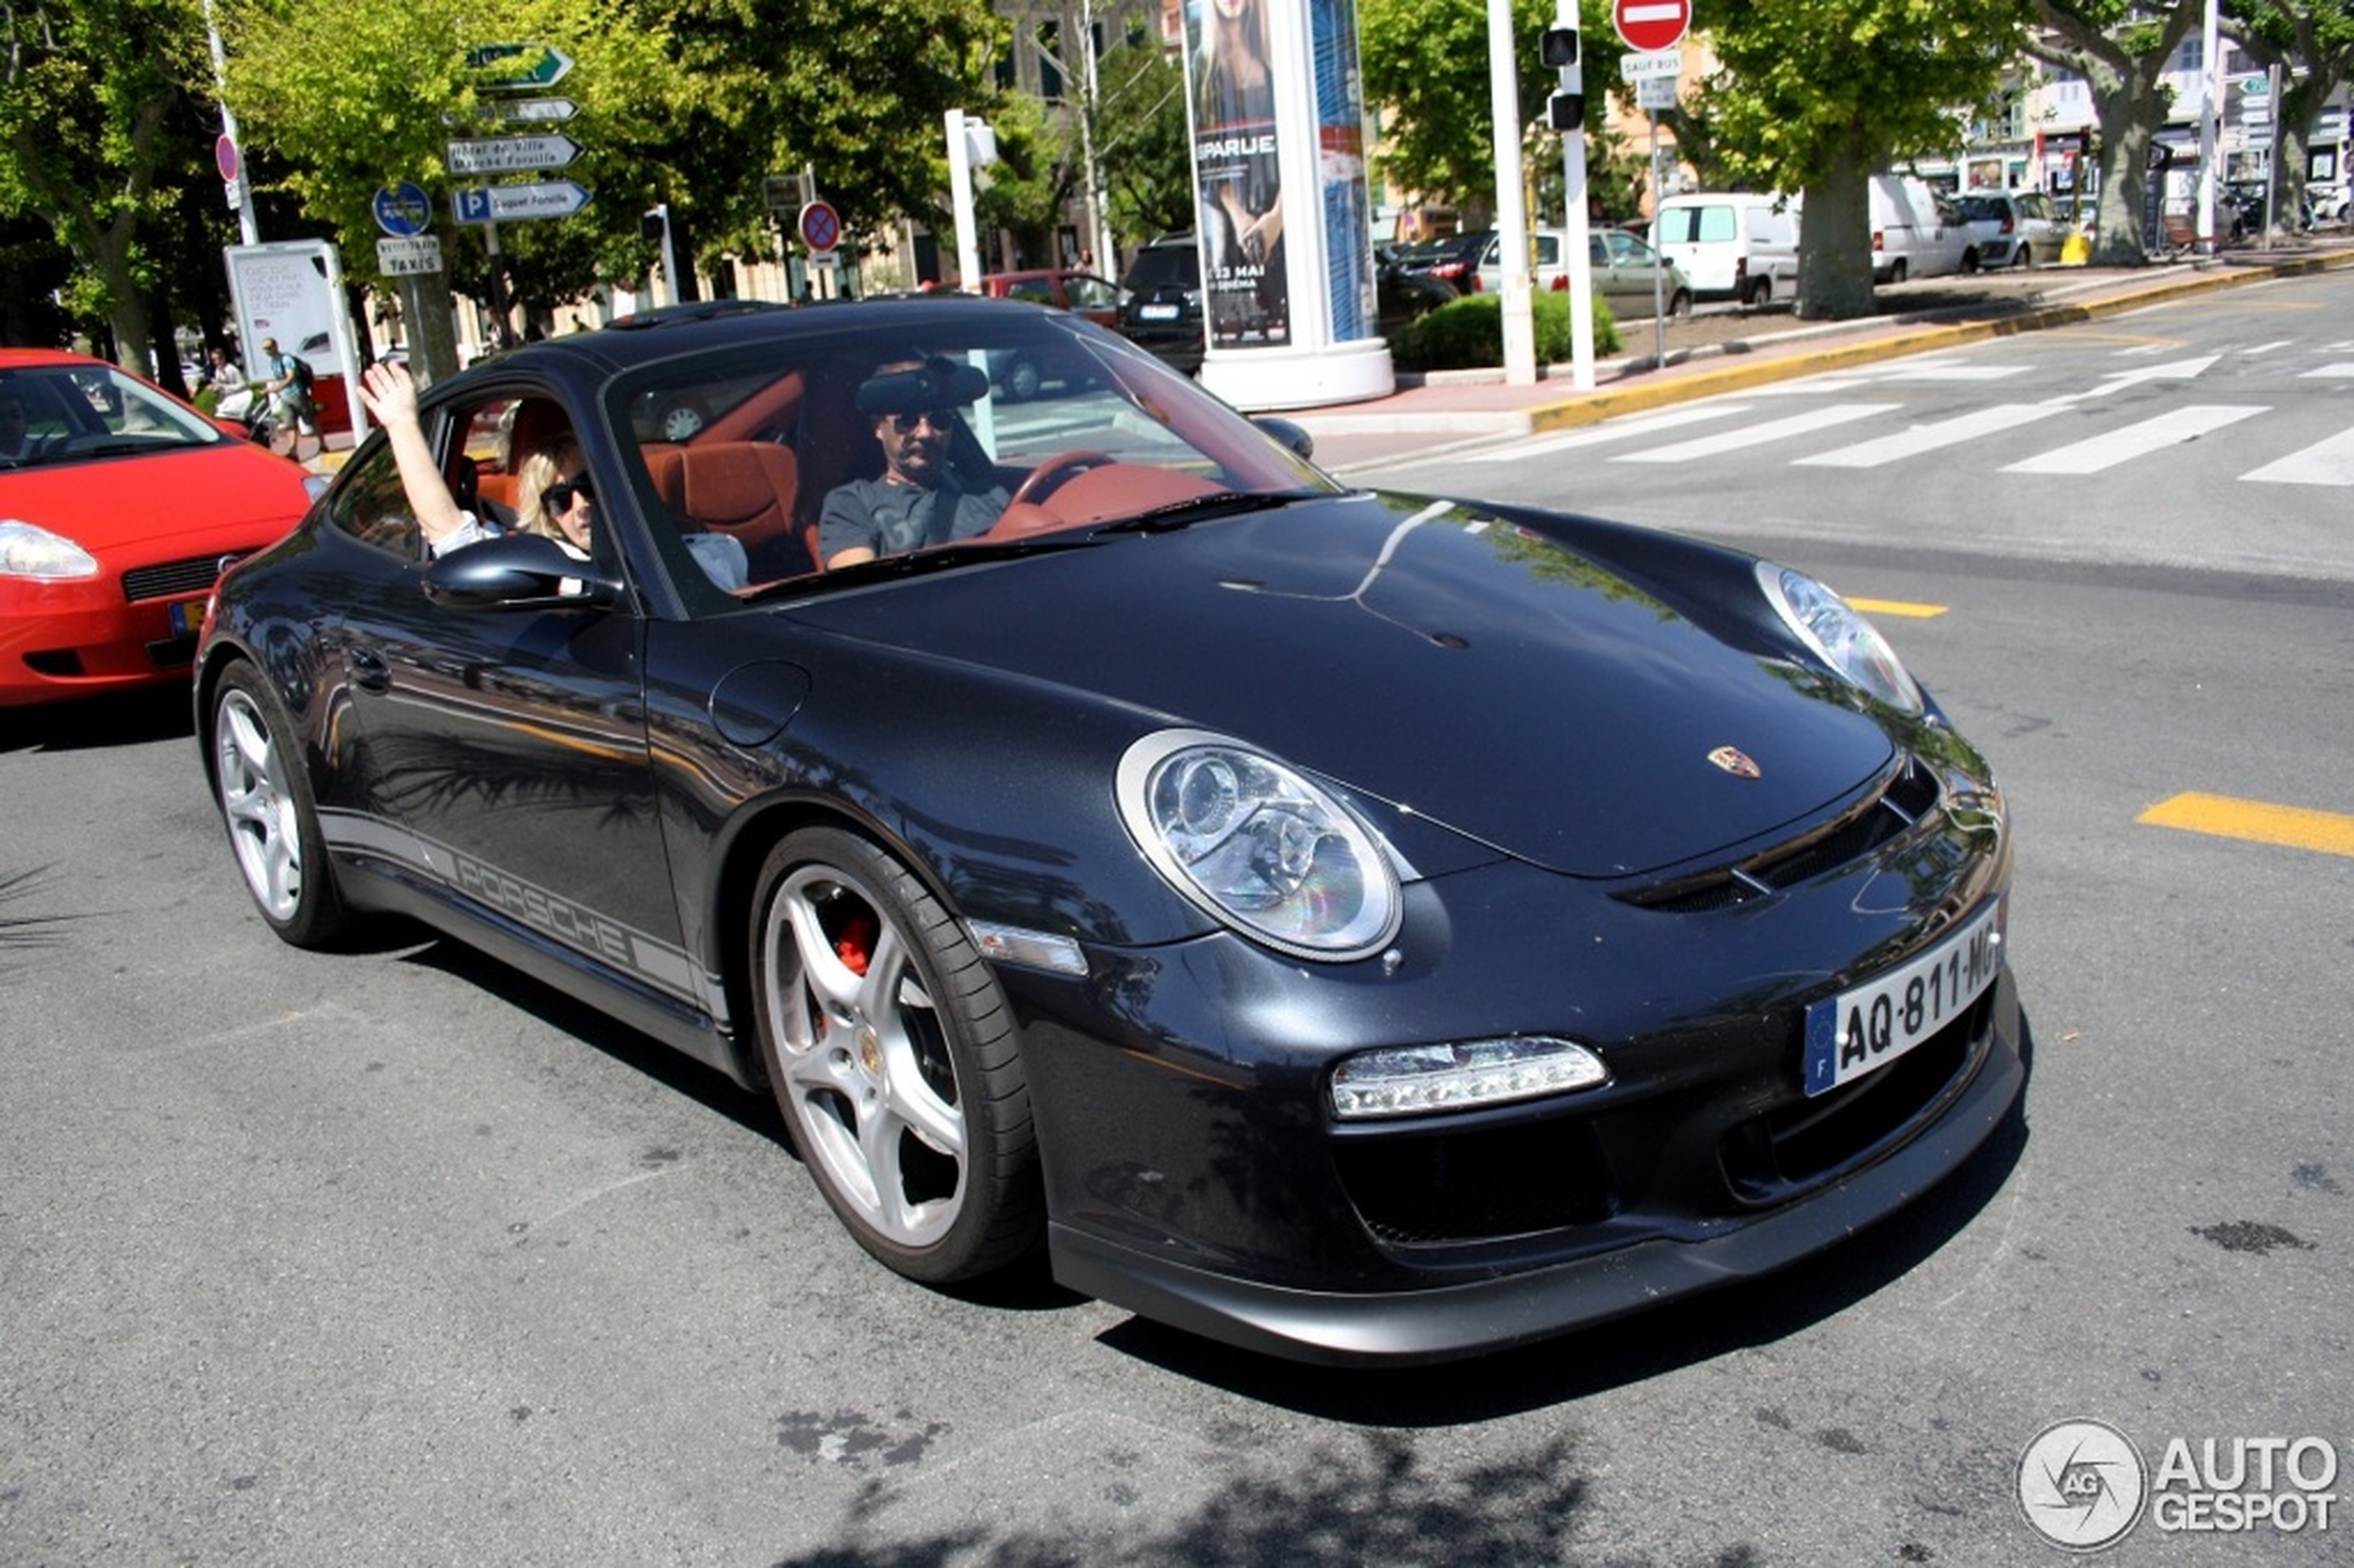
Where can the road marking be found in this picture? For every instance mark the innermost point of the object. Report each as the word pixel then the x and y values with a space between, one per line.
pixel 1928 438
pixel 2268 347
pixel 2325 463
pixel 2188 424
pixel 1612 430
pixel 1900 608
pixel 2116 381
pixel 2330 832
pixel 2331 371
pixel 1760 435
pixel 1956 373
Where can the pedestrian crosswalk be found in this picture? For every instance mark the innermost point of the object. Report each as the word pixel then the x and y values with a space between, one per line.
pixel 2044 435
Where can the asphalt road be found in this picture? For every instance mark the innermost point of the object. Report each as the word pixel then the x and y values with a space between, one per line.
pixel 391 1256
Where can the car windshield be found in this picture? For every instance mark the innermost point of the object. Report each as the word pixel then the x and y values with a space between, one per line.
pixel 1158 264
pixel 69 413
pixel 844 456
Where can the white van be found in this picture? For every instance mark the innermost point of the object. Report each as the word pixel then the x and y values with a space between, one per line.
pixel 1916 232
pixel 1731 246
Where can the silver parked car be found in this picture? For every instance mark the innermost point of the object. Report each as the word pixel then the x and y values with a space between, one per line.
pixel 2013 228
pixel 1622 266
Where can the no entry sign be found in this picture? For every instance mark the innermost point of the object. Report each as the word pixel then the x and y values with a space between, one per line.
pixel 1651 24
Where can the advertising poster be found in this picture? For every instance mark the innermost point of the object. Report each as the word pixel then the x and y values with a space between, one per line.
pixel 1340 146
pixel 293 291
pixel 1237 174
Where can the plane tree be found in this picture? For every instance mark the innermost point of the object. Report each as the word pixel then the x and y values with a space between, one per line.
pixel 1815 96
pixel 2121 49
pixel 2312 43
pixel 96 119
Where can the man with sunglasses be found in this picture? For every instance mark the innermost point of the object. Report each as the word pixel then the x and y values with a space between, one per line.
pixel 919 499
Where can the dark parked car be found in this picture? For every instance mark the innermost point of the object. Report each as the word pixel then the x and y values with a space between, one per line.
pixel 1164 316
pixel 1453 260
pixel 1348 924
pixel 1160 307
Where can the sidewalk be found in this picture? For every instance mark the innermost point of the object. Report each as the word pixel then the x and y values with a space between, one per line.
pixel 1746 350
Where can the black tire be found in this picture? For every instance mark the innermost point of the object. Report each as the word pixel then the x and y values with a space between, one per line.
pixel 1969 260
pixel 1679 305
pixel 2023 257
pixel 1896 272
pixel 263 792
pixel 1761 294
pixel 1023 379
pixel 894 1058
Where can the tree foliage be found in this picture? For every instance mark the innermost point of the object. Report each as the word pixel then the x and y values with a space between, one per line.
pixel 1142 143
pixel 100 105
pixel 1815 96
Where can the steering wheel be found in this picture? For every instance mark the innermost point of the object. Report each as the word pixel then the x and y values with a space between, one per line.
pixel 1057 472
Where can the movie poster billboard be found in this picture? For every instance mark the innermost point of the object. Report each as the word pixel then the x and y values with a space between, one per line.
pixel 1237 173
pixel 1340 146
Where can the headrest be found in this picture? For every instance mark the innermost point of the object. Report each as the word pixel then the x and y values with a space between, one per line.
pixel 937 382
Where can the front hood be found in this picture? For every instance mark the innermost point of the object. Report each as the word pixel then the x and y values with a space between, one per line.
pixel 1456 665
pixel 118 503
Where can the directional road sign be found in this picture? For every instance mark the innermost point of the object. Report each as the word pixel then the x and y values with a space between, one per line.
pixel 511 155
pixel 398 258
pixel 532 110
pixel 499 203
pixel 403 210
pixel 1651 24
pixel 518 66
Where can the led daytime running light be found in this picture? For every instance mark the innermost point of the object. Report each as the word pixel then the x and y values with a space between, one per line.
pixel 1466 1075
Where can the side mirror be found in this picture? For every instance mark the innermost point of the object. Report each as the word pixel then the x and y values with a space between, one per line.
pixel 518 572
pixel 1291 435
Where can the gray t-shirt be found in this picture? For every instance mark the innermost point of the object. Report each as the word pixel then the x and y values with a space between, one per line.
pixel 891 519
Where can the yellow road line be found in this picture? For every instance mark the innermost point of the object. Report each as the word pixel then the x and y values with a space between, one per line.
pixel 2296 828
pixel 1896 607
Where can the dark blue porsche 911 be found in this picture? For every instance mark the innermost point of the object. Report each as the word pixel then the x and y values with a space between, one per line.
pixel 1344 924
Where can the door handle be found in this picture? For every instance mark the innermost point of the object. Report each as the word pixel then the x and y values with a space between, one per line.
pixel 367 668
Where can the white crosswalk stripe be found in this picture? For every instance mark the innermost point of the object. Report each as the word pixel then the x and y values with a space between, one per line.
pixel 2325 462
pixel 2112 448
pixel 1625 429
pixel 2341 372
pixel 1930 437
pixel 1763 435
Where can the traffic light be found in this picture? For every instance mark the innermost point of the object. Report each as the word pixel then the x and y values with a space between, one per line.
pixel 1567 110
pixel 1560 47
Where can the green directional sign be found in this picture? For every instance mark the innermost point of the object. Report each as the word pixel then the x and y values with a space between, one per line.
pixel 514 66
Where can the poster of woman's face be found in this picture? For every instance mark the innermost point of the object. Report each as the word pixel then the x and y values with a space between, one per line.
pixel 1238 173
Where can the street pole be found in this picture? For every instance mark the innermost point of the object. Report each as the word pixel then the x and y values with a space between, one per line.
pixel 960 197
pixel 248 223
pixel 2209 126
pixel 1512 207
pixel 1574 223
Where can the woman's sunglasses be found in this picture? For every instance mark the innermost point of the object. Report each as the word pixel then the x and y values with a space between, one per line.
pixel 559 495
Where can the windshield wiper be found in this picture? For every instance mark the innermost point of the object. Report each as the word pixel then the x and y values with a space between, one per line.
pixel 934 558
pixel 1194 509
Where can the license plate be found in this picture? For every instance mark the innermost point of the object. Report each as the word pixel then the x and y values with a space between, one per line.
pixel 187 616
pixel 1871 1026
pixel 1157 313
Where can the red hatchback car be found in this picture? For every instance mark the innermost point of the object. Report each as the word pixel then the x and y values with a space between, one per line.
pixel 120 507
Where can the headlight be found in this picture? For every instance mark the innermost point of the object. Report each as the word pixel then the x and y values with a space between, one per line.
pixel 28 551
pixel 1417 1079
pixel 1851 645
pixel 1258 846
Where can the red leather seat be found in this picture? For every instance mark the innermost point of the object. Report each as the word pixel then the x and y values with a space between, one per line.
pixel 744 488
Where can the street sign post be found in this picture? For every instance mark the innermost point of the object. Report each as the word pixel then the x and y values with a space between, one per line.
pixel 499 203
pixel 402 258
pixel 403 210
pixel 510 67
pixel 511 155
pixel 820 227
pixel 1649 25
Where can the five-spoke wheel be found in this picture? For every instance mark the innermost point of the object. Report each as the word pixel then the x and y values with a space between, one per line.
pixel 265 802
pixel 894 1058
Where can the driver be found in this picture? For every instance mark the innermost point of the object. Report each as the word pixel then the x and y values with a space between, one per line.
pixel 919 499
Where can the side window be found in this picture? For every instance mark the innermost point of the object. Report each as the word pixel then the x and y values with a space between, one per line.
pixel 1715 224
pixel 1090 293
pixel 369 505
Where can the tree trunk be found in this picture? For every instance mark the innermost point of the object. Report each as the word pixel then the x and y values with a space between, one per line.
pixel 1835 244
